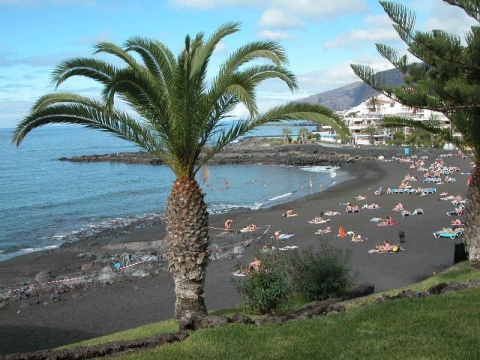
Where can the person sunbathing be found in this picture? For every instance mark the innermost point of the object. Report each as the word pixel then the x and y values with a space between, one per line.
pixel 323 231
pixel 360 197
pixel 255 265
pixel 331 213
pixel 277 234
pixel 457 222
pixel 349 208
pixel 386 247
pixel 398 207
pixel 371 206
pixel 356 238
pixel 289 213
pixel 251 227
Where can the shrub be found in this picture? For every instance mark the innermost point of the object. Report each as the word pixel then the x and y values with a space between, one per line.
pixel 322 274
pixel 267 290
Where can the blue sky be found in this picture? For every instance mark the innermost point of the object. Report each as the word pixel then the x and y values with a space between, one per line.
pixel 321 37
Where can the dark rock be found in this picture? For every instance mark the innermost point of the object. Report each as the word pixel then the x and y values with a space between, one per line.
pixel 55 296
pixel 210 321
pixel 241 319
pixel 357 291
pixel 406 294
pixel 270 319
pixel 44 276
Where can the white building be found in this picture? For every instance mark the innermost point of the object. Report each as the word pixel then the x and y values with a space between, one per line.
pixel 361 116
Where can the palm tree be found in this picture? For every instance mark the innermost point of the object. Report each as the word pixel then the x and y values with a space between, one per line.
pixel 302 134
pixel 371 130
pixel 177 118
pixel 286 135
pixel 373 104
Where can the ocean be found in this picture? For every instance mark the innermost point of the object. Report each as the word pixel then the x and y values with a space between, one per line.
pixel 46 202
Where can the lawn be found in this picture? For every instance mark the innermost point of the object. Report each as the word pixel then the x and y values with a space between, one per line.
pixel 432 327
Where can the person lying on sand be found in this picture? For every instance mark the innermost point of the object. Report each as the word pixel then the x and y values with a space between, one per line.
pixel 323 231
pixel 289 213
pixel 251 227
pixel 331 213
pixel 388 221
pixel 371 206
pixel 360 197
pixel 398 207
pixel 318 220
pixel 357 238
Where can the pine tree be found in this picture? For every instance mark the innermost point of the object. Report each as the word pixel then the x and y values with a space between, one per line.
pixel 445 79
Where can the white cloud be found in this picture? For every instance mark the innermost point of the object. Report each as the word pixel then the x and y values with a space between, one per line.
pixel 279 18
pixel 87 3
pixel 276 35
pixel 378 29
pixel 90 40
pixel 221 48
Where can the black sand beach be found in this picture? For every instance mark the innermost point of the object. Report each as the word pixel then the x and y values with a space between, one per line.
pixel 141 294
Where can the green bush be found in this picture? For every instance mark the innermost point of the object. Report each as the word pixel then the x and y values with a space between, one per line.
pixel 322 274
pixel 267 290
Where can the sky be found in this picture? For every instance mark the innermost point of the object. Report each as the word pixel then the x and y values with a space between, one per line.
pixel 321 37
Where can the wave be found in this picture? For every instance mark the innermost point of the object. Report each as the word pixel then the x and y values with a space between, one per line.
pixel 318 169
pixel 280 196
pixel 96 229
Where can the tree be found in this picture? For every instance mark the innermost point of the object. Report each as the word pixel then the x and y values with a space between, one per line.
pixel 371 130
pixel 177 118
pixel 286 135
pixel 372 104
pixel 446 79
pixel 302 134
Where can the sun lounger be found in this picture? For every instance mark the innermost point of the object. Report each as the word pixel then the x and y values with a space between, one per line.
pixel 455 213
pixel 451 235
pixel 406 213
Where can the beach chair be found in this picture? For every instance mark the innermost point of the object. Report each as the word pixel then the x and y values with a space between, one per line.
pixel 453 235
pixel 455 213
pixel 406 213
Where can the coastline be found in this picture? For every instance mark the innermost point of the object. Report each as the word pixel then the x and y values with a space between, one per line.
pixel 144 294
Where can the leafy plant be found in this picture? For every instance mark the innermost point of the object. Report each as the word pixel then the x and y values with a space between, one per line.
pixel 318 275
pixel 266 290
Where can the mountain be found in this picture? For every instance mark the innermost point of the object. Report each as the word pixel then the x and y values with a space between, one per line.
pixel 348 96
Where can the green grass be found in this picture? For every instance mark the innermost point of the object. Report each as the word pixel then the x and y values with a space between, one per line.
pixel 433 327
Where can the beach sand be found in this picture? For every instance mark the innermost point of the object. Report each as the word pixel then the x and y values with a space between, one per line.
pixel 127 301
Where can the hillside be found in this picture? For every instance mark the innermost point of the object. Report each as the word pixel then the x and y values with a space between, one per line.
pixel 351 95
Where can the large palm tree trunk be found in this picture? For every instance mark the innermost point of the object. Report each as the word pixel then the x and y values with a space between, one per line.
pixel 187 242
pixel 472 219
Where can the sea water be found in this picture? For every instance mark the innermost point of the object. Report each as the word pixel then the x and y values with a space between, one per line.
pixel 45 202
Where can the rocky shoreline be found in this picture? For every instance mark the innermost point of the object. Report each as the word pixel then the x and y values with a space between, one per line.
pixel 263 151
pixel 250 151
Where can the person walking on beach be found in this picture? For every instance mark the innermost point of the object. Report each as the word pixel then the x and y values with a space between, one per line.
pixel 228 223
pixel 321 186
